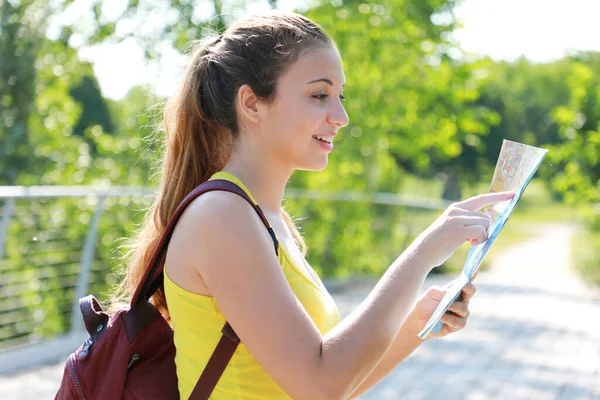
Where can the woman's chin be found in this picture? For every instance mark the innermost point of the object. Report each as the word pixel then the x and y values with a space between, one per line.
pixel 315 165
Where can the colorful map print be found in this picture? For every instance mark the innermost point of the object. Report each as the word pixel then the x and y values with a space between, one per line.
pixel 517 163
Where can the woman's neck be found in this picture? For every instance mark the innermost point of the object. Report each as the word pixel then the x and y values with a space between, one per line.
pixel 263 178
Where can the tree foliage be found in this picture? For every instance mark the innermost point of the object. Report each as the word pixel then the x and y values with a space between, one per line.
pixel 415 108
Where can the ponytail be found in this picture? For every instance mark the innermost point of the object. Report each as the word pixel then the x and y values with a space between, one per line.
pixel 195 149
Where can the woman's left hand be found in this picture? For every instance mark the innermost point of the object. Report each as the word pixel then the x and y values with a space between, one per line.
pixel 456 317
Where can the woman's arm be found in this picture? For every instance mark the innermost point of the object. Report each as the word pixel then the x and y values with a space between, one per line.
pixel 222 238
pixel 405 343
pixel 407 340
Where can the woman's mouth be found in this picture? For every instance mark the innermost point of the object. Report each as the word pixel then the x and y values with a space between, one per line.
pixel 326 142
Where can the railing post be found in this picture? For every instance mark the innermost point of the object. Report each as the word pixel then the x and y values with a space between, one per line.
pixel 86 264
pixel 9 207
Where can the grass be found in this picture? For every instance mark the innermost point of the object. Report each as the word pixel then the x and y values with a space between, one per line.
pixel 586 251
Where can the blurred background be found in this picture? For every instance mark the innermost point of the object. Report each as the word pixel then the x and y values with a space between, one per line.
pixel 433 88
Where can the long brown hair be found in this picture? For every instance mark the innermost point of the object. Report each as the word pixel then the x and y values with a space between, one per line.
pixel 200 121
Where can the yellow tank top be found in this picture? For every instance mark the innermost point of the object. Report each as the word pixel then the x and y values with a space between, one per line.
pixel 197 323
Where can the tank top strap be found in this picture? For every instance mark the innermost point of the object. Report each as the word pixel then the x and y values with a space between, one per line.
pixel 226 176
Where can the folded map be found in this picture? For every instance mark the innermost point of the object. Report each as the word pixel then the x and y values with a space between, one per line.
pixel 516 166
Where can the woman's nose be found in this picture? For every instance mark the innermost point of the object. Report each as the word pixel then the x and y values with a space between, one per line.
pixel 339 116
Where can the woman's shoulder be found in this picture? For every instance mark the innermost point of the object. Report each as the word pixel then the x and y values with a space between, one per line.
pixel 216 202
pixel 216 231
pixel 219 213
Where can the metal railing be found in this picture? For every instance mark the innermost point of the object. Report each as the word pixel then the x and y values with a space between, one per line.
pixel 49 258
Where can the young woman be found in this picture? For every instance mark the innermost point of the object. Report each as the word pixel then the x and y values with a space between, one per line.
pixel 256 103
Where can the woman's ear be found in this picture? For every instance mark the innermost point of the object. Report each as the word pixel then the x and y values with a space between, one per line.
pixel 248 105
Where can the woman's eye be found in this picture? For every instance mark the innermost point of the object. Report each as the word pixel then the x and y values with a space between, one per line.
pixel 324 96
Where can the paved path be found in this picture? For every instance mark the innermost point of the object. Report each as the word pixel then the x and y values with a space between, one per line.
pixel 534 333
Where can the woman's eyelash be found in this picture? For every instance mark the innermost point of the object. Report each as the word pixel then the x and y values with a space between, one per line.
pixel 324 96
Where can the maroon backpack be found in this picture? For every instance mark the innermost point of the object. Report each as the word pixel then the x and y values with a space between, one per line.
pixel 131 354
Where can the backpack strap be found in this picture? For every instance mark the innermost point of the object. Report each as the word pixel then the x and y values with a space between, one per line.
pixel 216 364
pixel 153 274
pixel 153 279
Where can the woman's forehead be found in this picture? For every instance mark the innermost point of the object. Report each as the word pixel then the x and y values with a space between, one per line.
pixel 319 65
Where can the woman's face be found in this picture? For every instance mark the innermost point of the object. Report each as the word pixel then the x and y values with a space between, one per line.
pixel 308 105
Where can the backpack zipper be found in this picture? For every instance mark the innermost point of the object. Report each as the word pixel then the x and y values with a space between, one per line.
pixel 134 358
pixel 75 379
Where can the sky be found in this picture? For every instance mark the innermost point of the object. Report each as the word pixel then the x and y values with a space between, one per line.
pixel 541 30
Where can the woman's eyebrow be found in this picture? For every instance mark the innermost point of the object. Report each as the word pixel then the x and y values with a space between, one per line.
pixel 327 81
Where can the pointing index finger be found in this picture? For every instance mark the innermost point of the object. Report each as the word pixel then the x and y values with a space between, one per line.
pixel 482 200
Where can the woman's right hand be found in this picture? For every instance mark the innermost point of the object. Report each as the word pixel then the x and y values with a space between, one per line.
pixel 459 223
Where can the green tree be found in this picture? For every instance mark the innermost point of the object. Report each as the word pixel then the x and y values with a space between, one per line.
pixel 37 78
pixel 411 108
pixel 94 109
pixel 577 157
pixel 19 44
